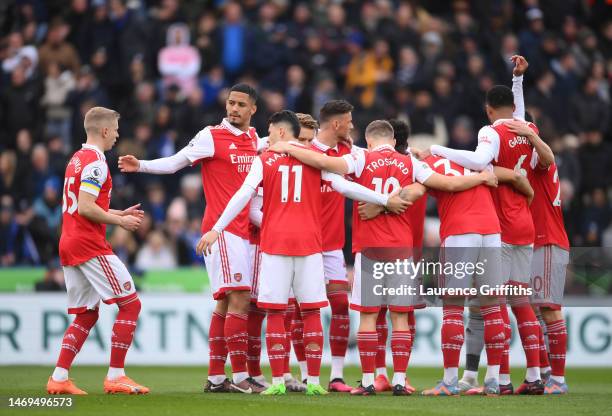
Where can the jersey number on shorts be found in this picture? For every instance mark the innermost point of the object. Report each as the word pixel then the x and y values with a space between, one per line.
pixel 70 202
pixel 390 185
pixel 297 184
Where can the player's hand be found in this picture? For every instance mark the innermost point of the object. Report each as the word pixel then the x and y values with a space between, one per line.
pixel 280 147
pixel 420 154
pixel 133 210
pixel 489 178
pixel 519 128
pixel 369 211
pixel 520 65
pixel 397 205
pixel 130 222
pixel 128 164
pixel 348 141
pixel 204 246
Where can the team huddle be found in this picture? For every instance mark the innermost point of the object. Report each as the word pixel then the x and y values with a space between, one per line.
pixel 273 232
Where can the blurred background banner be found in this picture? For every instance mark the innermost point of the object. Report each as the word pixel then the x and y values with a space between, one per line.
pixel 172 329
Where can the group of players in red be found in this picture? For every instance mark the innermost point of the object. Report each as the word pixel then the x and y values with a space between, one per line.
pixel 273 233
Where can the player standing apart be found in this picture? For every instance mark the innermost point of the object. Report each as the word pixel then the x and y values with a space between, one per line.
pixel 91 269
pixel 225 153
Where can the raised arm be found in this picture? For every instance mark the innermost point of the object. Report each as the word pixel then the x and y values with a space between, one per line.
pixel 516 180
pixel 520 66
pixel 311 158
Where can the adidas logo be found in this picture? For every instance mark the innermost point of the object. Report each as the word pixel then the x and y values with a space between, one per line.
pixel 532 338
pixel 457 337
pixel 232 146
pixel 499 336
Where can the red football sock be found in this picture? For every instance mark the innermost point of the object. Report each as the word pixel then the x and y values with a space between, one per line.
pixel 494 333
pixel 275 341
pixel 218 347
pixel 254 323
pixel 452 335
pixel 505 359
pixel 297 334
pixel 123 331
pixel 339 326
pixel 401 343
pixel 287 322
pixel 383 332
pixel 236 337
pixel 557 341
pixel 543 350
pixel 528 327
pixel 412 325
pixel 367 342
pixel 313 340
pixel 75 336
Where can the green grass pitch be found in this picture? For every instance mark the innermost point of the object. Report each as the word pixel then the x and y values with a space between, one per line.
pixel 177 391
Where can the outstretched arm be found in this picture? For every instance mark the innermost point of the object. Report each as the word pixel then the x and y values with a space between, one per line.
pixel 460 183
pixel 479 159
pixel 255 214
pixel 516 180
pixel 311 158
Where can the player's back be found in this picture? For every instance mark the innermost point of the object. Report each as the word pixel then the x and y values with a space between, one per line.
pixel 82 239
pixel 291 222
pixel 469 211
pixel 512 208
pixel 546 207
pixel 385 171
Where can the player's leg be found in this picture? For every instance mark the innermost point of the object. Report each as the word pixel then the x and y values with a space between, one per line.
pixel 255 319
pixel 527 323
pixel 274 288
pixel 544 360
pixel 309 291
pixel 337 294
pixel 83 301
pixel 111 279
pixel 291 383
pixel 230 277
pixel 297 340
pixel 381 382
pixel 401 346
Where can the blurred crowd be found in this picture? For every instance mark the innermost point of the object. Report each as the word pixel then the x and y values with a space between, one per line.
pixel 166 66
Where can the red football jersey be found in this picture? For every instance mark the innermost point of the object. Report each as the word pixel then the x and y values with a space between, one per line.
pixel 332 213
pixel 470 211
pixel 384 170
pixel 225 153
pixel 546 208
pixel 417 220
pixel 512 208
pixel 291 224
pixel 82 239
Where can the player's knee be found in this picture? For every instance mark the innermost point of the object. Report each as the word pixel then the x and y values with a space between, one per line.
pixel 239 301
pixel 132 307
pixel 551 315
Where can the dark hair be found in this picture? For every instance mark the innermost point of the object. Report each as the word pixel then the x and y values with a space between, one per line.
pixel 247 89
pixel 334 108
pixel 500 96
pixel 287 117
pixel 401 132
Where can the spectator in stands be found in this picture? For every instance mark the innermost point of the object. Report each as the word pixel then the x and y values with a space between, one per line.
pixel 58 85
pixel 57 49
pixel 179 62
pixel 53 280
pixel 155 254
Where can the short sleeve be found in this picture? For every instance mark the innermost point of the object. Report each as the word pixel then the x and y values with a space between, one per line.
pixel 355 161
pixel 420 170
pixel 93 177
pixel 200 147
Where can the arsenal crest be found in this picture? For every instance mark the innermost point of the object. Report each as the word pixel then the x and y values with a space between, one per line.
pixel 127 285
pixel 238 277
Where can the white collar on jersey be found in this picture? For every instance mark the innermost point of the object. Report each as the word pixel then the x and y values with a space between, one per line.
pixel 322 146
pixel 383 146
pixel 95 148
pixel 502 120
pixel 234 130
